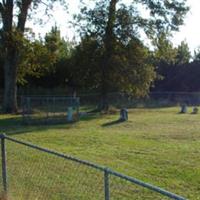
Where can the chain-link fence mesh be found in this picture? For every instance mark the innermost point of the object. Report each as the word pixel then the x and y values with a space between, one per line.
pixel 49 109
pixel 121 189
pixel 35 173
pixel 59 107
pixel 38 175
pixel 153 99
pixel 53 109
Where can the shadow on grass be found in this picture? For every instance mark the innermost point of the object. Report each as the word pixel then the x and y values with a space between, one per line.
pixel 14 124
pixel 112 123
pixel 90 116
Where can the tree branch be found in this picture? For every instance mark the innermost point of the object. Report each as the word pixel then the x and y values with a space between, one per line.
pixel 25 4
pixel 7 14
pixel 1 8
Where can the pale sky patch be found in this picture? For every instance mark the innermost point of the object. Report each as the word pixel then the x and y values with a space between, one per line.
pixel 190 32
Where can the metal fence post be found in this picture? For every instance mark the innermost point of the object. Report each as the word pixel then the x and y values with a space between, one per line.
pixel 3 162
pixel 106 184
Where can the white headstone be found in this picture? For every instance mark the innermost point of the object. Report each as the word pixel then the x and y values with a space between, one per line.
pixel 70 114
pixel 183 108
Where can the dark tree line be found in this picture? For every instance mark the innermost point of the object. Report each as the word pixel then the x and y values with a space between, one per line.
pixel 178 70
pixel 110 56
pixel 179 78
pixel 78 67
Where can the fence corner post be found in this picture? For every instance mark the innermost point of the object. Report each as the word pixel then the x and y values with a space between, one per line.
pixel 3 163
pixel 106 184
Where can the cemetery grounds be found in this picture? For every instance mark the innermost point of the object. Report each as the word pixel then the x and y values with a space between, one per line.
pixel 156 145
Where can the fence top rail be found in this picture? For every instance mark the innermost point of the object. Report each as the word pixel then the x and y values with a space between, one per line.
pixel 110 93
pixel 48 96
pixel 54 153
pixel 98 167
pixel 148 186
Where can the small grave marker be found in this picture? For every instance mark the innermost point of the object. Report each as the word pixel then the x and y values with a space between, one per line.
pixel 183 108
pixel 195 110
pixel 123 114
pixel 70 114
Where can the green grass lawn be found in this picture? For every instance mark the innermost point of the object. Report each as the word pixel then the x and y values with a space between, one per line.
pixel 156 145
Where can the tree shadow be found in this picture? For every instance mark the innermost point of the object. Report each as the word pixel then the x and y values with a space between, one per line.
pixel 14 125
pixel 90 116
pixel 112 123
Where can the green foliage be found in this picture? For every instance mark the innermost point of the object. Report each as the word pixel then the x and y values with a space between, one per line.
pixel 111 25
pixel 129 70
pixel 116 27
pixel 40 58
pixel 35 61
pixel 53 60
pixel 85 64
pixel 14 15
pixel 183 54
pixel 152 17
pixel 163 15
pixel 196 56
pixel 164 51
pixel 110 52
pixel 166 54
pixel 53 41
pixel 134 74
pixel 173 65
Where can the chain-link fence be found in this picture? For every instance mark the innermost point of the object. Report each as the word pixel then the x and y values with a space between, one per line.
pixel 49 109
pixel 171 98
pixel 31 172
pixel 53 108
pixel 154 99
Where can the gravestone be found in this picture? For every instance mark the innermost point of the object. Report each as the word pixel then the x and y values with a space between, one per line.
pixel 195 110
pixel 70 114
pixel 183 108
pixel 123 114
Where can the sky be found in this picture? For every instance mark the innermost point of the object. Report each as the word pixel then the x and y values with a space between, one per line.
pixel 189 32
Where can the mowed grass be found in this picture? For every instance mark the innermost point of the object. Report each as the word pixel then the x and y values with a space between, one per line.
pixel 156 145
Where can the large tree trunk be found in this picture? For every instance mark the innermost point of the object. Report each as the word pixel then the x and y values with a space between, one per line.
pixel 11 48
pixel 109 44
pixel 10 83
pixel 104 103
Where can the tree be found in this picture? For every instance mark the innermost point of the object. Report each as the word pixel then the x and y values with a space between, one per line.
pixel 115 26
pixel 1 73
pixel 85 71
pixel 196 56
pixel 14 15
pixel 164 53
pixel 164 58
pixel 52 61
pixel 172 64
pixel 37 58
pixel 1 67
pixel 183 54
pixel 135 72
